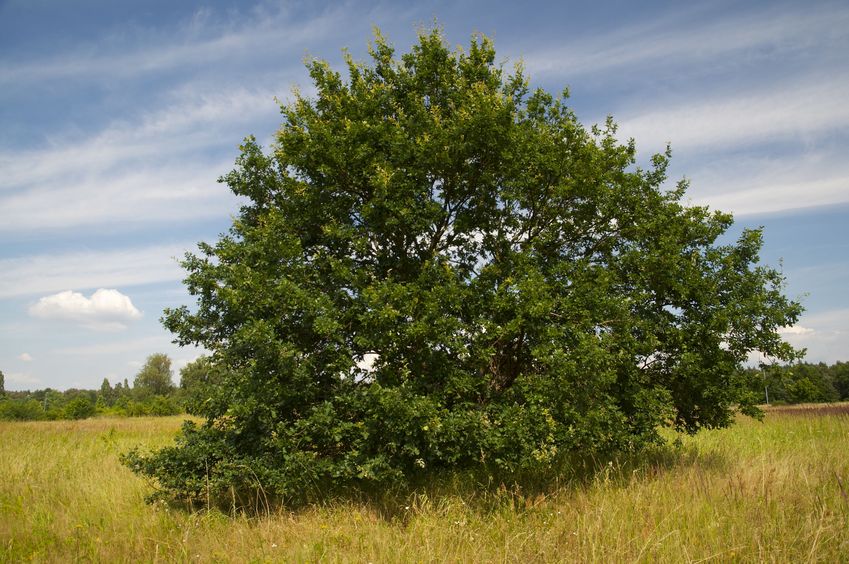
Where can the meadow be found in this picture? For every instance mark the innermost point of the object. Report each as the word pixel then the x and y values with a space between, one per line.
pixel 774 491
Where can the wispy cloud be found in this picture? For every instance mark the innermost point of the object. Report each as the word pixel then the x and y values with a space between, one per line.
pixel 789 112
pixel 778 196
pixel 145 195
pixel 160 160
pixel 21 380
pixel 796 330
pixel 84 270
pixel 154 169
pixel 766 145
pixel 25 357
pixel 692 41
pixel 748 184
pixel 826 336
pixel 190 121
pixel 203 41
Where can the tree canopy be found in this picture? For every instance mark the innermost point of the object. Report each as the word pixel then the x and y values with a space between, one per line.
pixel 437 267
pixel 155 376
pixel 199 380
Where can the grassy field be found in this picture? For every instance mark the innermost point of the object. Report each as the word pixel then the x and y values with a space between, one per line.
pixel 776 491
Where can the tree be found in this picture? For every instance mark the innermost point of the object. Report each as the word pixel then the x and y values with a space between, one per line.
pixel 78 408
pixel 840 372
pixel 155 376
pixel 107 393
pixel 2 384
pixel 198 383
pixel 523 290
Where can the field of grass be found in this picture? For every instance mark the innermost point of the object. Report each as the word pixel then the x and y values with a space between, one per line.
pixel 773 491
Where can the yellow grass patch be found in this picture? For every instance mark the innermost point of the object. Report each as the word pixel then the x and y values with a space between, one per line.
pixel 772 491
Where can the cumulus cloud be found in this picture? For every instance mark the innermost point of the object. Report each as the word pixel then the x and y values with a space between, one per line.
pixel 26 357
pixel 105 309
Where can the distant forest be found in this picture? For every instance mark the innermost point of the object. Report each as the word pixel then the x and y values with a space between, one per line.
pixel 800 383
pixel 153 391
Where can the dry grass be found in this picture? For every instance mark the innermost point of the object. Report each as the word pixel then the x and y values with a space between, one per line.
pixel 773 491
pixel 809 409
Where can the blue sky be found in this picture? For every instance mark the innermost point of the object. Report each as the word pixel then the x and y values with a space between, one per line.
pixel 116 118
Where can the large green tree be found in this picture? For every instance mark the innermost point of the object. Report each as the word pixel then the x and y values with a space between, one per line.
pixel 155 377
pixel 519 287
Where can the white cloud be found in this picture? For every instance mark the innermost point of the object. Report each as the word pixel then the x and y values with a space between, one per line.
pixel 105 309
pixel 192 119
pixel 159 166
pixel 25 357
pixel 762 198
pixel 745 185
pixel 825 335
pixel 790 112
pixel 200 42
pixel 692 41
pixel 125 267
pixel 170 193
pixel 796 330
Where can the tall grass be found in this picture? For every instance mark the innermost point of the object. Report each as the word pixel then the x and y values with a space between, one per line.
pixel 771 491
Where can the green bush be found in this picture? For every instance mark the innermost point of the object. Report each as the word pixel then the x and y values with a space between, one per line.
pixel 78 408
pixel 21 410
pixel 162 406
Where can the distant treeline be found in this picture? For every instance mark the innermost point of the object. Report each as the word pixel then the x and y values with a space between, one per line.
pixel 800 383
pixel 153 393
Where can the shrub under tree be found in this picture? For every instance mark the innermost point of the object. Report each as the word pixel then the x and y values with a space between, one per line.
pixel 522 290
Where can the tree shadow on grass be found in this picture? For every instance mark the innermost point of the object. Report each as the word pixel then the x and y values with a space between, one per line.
pixel 489 493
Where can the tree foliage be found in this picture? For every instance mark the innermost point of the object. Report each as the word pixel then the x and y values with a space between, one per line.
pixel 80 407
pixel 155 377
pixel 154 395
pixel 800 382
pixel 522 289
pixel 199 381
